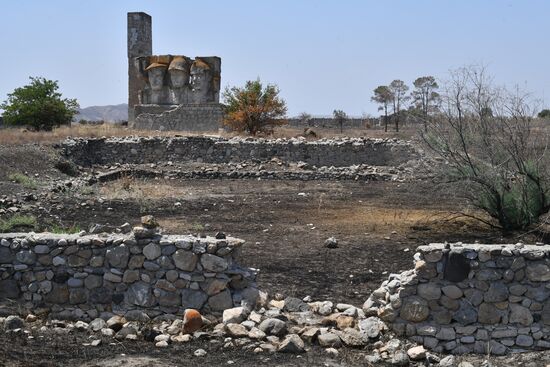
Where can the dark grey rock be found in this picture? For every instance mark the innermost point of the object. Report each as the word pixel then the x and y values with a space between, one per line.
pixel 273 326
pixel 140 294
pixel 291 344
pixel 26 257
pixel 185 260
pixel 221 301
pixel 213 263
pixel 13 322
pixel 194 299
pixel 101 296
pixel 498 292
pixel 466 314
pixel 118 256
pixel 9 289
pixel 293 304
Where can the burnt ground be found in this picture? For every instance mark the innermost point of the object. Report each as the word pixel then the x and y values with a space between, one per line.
pixel 285 224
pixel 378 225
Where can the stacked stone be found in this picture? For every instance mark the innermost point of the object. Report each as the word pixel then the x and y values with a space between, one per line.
pixel 340 152
pixel 188 117
pixel 470 298
pixel 76 276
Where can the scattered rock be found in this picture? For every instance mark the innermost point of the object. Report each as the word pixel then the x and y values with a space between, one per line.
pixel 13 322
pixel 236 330
pixel 199 353
pixel 400 358
pixel 417 353
pixel 273 327
pixel 293 304
pixel 329 340
pixel 331 242
pixel 448 361
pixel 234 315
pixel 292 344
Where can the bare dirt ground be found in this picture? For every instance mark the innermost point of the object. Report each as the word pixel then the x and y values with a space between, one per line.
pixel 285 223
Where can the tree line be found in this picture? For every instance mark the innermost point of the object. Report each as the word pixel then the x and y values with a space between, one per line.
pixel 424 97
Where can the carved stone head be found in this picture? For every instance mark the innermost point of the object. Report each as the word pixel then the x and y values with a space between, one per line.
pixel 156 73
pixel 179 72
pixel 201 80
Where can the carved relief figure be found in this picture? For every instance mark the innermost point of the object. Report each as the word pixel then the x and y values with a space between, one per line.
pixel 201 81
pixel 179 80
pixel 156 91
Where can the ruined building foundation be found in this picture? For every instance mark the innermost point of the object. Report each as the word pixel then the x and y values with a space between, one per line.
pixel 80 277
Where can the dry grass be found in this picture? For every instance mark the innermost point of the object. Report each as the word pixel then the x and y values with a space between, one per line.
pixel 384 220
pixel 131 188
pixel 14 136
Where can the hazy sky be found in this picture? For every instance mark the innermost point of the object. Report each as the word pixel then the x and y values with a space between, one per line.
pixel 324 55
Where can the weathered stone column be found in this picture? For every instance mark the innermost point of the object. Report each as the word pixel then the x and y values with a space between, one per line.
pixel 140 43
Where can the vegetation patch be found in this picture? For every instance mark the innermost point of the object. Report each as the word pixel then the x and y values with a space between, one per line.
pixel 18 223
pixel 22 179
pixel 56 228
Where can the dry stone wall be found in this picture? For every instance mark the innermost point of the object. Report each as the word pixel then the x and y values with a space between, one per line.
pixel 329 152
pixel 470 298
pixel 195 117
pixel 80 277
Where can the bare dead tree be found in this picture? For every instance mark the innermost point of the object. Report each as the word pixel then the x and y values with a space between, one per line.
pixel 485 136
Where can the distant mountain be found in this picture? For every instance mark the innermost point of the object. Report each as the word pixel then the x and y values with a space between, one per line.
pixel 114 113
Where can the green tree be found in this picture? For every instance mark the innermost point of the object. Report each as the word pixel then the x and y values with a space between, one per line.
pixel 340 117
pixel 399 89
pixel 544 114
pixel 39 106
pixel 384 97
pixel 425 96
pixel 253 108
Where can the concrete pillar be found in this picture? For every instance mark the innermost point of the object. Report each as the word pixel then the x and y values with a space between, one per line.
pixel 140 43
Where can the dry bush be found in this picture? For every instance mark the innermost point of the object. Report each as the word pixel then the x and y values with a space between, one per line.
pixel 494 157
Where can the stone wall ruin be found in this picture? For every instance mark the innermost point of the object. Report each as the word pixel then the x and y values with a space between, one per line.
pixel 80 277
pixel 470 298
pixel 329 152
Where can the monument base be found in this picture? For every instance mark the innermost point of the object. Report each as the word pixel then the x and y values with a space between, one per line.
pixel 188 117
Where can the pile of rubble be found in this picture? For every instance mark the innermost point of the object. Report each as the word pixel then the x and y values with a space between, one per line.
pixel 284 325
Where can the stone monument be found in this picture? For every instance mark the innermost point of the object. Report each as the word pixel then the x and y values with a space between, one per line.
pixel 170 92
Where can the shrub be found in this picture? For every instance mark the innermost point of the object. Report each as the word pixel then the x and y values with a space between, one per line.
pixel 494 159
pixel 544 114
pixel 66 167
pixel 253 108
